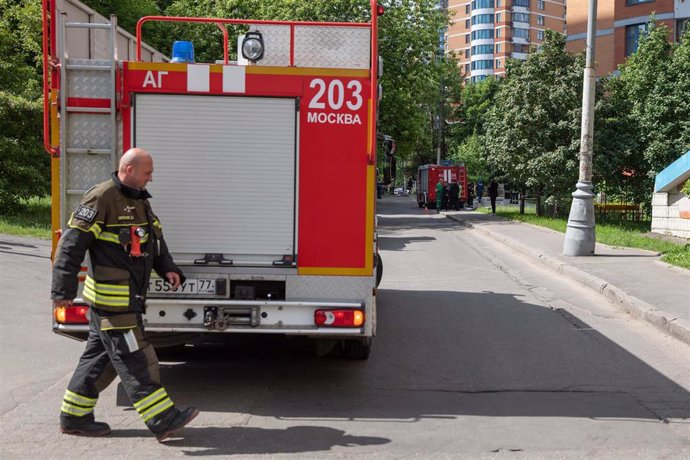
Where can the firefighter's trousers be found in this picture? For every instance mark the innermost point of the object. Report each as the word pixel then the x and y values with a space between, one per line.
pixel 117 346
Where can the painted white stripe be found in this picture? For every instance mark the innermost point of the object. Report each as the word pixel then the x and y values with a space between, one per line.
pixel 198 77
pixel 233 79
pixel 131 341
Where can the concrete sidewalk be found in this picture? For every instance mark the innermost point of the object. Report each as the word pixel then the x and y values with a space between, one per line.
pixel 635 280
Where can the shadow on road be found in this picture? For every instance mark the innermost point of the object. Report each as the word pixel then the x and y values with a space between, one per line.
pixel 438 354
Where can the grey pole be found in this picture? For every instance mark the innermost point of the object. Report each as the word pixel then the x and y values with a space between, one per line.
pixel 579 236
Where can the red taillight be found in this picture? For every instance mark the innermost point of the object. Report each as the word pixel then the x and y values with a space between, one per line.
pixel 339 318
pixel 75 314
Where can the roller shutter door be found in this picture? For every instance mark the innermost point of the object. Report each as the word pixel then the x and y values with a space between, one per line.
pixel 224 173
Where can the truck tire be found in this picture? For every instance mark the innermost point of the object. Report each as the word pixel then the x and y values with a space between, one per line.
pixel 379 269
pixel 356 348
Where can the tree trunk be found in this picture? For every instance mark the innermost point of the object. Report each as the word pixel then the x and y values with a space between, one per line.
pixel 540 212
pixel 522 202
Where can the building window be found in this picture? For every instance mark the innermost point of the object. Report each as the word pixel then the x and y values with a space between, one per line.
pixel 635 2
pixel 479 4
pixel 467 23
pixel 521 33
pixel 484 33
pixel 467 9
pixel 482 49
pixel 498 47
pixel 467 53
pixel 682 26
pixel 467 38
pixel 540 35
pixel 540 5
pixel 540 20
pixel 483 19
pixel 523 3
pixel 521 17
pixel 632 37
pixel 498 32
pixel 483 64
pixel 467 68
pixel 499 17
pixel 498 3
pixel 498 63
pixel 478 78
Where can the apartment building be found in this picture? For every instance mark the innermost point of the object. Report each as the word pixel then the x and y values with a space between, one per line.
pixel 620 24
pixel 484 33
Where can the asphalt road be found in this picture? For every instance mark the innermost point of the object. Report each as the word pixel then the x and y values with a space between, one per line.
pixel 478 355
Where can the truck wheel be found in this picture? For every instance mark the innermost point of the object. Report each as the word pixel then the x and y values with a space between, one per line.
pixel 356 348
pixel 379 269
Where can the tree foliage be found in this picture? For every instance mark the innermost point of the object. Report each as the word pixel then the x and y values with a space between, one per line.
pixel 534 125
pixel 25 166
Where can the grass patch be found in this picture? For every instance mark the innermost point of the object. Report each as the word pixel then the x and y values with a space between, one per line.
pixel 33 220
pixel 614 233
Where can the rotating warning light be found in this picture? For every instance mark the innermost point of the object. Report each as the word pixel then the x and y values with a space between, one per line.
pixel 253 46
pixel 182 51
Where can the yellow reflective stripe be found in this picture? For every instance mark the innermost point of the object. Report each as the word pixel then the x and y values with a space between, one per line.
pixel 150 399
pixel 157 409
pixel 111 301
pixel 109 237
pixel 70 409
pixel 95 228
pixel 157 223
pixel 116 328
pixel 104 288
pixel 79 399
pixel 129 224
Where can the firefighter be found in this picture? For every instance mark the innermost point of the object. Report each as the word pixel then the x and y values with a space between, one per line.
pixel 115 223
pixel 454 195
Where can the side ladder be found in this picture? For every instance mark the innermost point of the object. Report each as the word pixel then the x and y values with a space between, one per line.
pixel 89 140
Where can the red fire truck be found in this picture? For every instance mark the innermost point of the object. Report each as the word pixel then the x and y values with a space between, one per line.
pixel 430 175
pixel 246 156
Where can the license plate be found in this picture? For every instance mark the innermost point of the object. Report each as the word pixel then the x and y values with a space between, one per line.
pixel 191 286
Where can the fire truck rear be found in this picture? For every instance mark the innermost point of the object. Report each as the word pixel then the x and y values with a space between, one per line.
pixel 264 172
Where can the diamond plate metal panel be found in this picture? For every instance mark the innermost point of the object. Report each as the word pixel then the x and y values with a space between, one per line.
pixel 89 131
pixel 89 83
pixel 332 47
pixel 353 288
pixel 100 39
pixel 276 44
pixel 84 170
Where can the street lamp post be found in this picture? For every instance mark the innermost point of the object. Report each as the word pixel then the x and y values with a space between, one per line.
pixel 579 236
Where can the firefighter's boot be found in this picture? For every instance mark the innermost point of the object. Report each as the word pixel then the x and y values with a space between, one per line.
pixel 177 422
pixel 83 426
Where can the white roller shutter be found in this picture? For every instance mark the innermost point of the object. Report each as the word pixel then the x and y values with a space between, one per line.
pixel 224 173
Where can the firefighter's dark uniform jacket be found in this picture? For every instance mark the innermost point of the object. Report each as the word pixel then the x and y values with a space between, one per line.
pixel 115 288
pixel 116 281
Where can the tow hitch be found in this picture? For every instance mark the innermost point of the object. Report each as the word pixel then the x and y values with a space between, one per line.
pixel 220 318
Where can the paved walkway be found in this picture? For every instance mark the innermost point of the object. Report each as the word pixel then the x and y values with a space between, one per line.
pixel 634 279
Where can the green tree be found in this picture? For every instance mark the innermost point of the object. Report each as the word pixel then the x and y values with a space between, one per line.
pixel 469 127
pixel 25 166
pixel 534 126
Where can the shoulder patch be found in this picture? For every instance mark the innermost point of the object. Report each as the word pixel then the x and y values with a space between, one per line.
pixel 85 213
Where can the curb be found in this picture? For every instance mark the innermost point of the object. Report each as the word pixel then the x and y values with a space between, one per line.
pixel 671 325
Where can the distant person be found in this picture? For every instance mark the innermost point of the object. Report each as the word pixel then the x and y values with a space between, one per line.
pixel 454 192
pixel 446 193
pixel 480 192
pixel 493 194
pixel 439 195
pixel 379 190
pixel 470 195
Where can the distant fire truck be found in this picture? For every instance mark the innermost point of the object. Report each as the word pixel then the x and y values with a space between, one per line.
pixel 430 175
pixel 247 155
